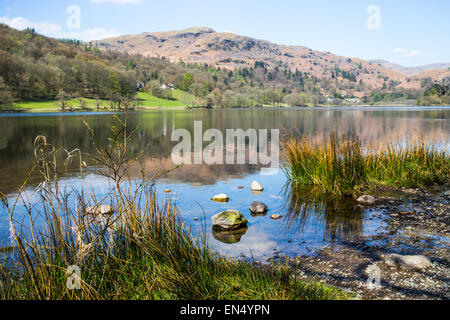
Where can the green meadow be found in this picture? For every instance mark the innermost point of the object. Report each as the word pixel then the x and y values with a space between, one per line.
pixel 143 99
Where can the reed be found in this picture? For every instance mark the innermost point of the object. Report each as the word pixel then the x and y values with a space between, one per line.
pixel 335 166
pixel 341 165
pixel 143 251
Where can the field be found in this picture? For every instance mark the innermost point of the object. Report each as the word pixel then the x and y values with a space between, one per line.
pixel 145 99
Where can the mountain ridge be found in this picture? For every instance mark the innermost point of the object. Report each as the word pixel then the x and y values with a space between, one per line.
pixel 410 70
pixel 203 45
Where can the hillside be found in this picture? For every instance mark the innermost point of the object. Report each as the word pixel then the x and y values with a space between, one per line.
pixel 37 72
pixel 230 51
pixel 38 68
pixel 412 71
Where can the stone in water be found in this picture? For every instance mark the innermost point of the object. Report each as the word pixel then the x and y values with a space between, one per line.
pixel 256 186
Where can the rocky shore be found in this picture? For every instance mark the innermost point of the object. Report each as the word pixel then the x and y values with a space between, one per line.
pixel 418 225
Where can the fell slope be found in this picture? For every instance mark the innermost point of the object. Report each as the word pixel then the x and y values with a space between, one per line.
pixel 229 51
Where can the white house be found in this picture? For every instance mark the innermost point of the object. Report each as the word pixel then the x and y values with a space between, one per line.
pixel 167 86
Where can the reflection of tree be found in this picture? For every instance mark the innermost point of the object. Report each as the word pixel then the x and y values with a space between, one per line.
pixel 341 217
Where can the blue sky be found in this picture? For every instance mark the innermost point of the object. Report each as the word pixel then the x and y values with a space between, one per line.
pixel 408 32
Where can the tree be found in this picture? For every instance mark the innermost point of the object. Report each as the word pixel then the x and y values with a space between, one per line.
pixel 187 81
pixel 5 94
pixel 62 99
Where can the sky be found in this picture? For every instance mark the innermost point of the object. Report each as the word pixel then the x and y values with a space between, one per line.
pixel 407 32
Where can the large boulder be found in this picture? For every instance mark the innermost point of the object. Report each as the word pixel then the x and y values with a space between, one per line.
pixel 407 262
pixel 367 200
pixel 256 187
pixel 221 198
pixel 258 208
pixel 229 220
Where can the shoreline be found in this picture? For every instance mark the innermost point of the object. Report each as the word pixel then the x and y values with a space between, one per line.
pixel 74 111
pixel 422 230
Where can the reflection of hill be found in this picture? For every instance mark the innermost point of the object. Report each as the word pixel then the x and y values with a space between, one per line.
pixel 371 124
pixel 192 174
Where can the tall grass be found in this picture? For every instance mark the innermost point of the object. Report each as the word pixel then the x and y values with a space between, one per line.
pixel 143 251
pixel 413 163
pixel 336 165
pixel 342 165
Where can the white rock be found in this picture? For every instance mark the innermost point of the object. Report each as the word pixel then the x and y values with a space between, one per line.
pixel 221 198
pixel 371 270
pixel 99 210
pixel 367 200
pixel 256 186
pixel 407 262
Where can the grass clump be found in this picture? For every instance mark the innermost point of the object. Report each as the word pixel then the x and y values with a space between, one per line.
pixel 336 165
pixel 414 163
pixel 142 251
pixel 340 165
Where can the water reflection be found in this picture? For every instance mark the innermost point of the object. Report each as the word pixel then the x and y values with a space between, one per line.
pixel 229 236
pixel 17 133
pixel 341 218
pixel 311 220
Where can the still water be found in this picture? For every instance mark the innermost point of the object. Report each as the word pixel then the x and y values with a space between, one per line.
pixel 309 222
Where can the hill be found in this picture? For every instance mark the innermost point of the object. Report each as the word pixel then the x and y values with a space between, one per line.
pixel 226 70
pixel 231 51
pixel 412 70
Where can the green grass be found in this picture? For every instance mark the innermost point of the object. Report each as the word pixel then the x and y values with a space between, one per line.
pixel 42 105
pixel 153 257
pixel 145 99
pixel 340 165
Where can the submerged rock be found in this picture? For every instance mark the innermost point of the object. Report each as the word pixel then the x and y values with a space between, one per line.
pixel 276 216
pixel 221 198
pixel 256 186
pixel 447 194
pixel 229 220
pixel 229 236
pixel 407 262
pixel 258 208
pixel 367 200
pixel 103 210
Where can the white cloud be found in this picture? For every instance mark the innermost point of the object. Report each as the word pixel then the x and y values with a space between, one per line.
pixel 40 27
pixel 405 53
pixel 412 53
pixel 117 1
pixel 90 34
pixel 57 31
pixel 400 50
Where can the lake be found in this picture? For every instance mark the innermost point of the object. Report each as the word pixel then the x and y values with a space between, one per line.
pixel 313 223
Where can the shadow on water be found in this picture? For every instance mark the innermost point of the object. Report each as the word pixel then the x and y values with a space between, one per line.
pixel 340 217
